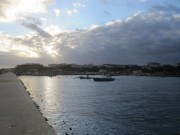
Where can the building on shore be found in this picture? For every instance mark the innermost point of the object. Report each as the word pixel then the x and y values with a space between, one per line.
pixel 153 64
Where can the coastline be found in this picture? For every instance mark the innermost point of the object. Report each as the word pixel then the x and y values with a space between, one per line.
pixel 19 114
pixel 112 74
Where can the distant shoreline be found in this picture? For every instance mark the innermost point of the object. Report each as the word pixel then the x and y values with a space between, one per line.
pixel 151 69
pixel 81 74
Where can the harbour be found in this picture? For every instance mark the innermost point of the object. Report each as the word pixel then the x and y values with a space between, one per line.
pixel 128 105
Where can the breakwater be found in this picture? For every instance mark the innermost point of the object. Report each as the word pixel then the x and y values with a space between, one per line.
pixel 18 113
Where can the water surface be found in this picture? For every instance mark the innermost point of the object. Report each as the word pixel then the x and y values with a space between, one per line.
pixel 130 105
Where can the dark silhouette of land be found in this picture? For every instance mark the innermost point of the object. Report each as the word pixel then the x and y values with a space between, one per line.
pixel 150 69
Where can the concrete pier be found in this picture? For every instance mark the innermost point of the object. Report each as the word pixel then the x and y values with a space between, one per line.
pixel 18 113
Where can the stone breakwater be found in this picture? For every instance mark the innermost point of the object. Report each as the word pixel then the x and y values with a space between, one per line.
pixel 18 113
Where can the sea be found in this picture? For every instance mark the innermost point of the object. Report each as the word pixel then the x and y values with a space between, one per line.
pixel 130 105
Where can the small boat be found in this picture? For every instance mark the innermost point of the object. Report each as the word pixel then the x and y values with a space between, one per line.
pixel 103 79
pixel 84 77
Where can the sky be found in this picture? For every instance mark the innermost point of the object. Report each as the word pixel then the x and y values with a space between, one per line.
pixel 89 31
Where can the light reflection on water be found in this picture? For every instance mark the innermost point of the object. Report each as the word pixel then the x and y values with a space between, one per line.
pixel 50 95
pixel 129 105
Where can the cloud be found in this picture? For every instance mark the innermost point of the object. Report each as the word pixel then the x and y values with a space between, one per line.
pixel 138 39
pixel 28 46
pixel 34 27
pixel 78 4
pixel 54 30
pixel 17 47
pixel 107 13
pixel 57 12
pixel 167 7
pixel 18 9
pixel 34 20
pixel 70 12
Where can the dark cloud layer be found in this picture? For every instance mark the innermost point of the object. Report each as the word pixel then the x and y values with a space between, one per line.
pixel 166 7
pixel 139 39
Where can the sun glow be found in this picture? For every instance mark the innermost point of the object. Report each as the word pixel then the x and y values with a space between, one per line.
pixel 29 54
pixel 24 51
pixel 51 51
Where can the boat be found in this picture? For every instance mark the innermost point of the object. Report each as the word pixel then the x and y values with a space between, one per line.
pixel 103 79
pixel 85 77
